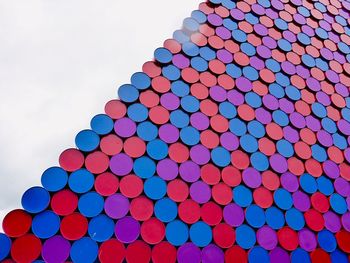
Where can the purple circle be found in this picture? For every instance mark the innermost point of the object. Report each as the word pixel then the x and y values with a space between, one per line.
pixel 290 182
pixel 344 126
pixel 332 221
pixel 235 97
pixel 212 254
pixel 326 53
pixel 263 116
pixel 170 101
pixel 200 121
pixel 270 102
pixel 323 98
pixel 288 67
pixel 125 127
pixel 181 61
pixel 215 19
pixel 188 253
pixel 286 105
pixel 331 169
pixel 269 42
pixel 56 249
pixel 116 206
pixel 312 123
pixel 308 30
pixel 297 120
pixel 127 229
pixel 342 90
pixel 267 237
pixel 218 93
pixel 200 154
pixel 260 29
pixel 279 255
pixel 167 169
pixel 258 9
pixel 307 240
pixel 302 71
pixel 229 141
pixel 300 19
pixel 189 171
pixel 257 63
pixel 288 35
pixel 233 215
pixel 301 201
pixel 223 32
pixel 237 14
pixel 263 51
pixel 169 133
pixel 224 56
pixel 278 163
pixel 251 177
pixel 200 192
pixel 121 164
pixel 244 84
pixel 332 76
pixel 324 138
pixel 290 134
pixel 345 219
pixel 347 154
pixel 277 5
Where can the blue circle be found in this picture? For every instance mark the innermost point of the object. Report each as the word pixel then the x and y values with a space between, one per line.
pixel 319 110
pixel 233 70
pixel 249 143
pixel 101 228
pixel 155 188
pixel 179 119
pixel 253 99
pixel 239 35
pixel 303 38
pixel 5 246
pixel 245 236
pixel 273 65
pixel 207 53
pixel 189 135
pixel 283 199
pixel 242 196
pixel 293 93
pixel 190 49
pixel 81 181
pixel 339 257
pixel 259 161
pixel 84 250
pixel 46 224
pixel 176 232
pixel 220 156
pixel 190 103
pixel 248 49
pixel 320 63
pixel 285 148
pixel 255 216
pixel 300 256
pixel 229 24
pixel 128 93
pixel 264 3
pixel 163 55
pixel 274 217
pixel 329 125
pixel 171 72
pixel 308 60
pixel 345 112
pixel 35 199
pixel 237 127
pixel 252 19
pixel 280 117
pixel 90 204
pixel 157 149
pixel 180 36
pixel 281 24
pixel 144 167
pixel 54 179
pixel 199 16
pixel 319 153
pixel 190 24
pixel 338 203
pixel 343 47
pixel 147 131
pixel 199 64
pixel 323 34
pixel 284 45
pixel 87 140
pixel 295 219
pixel 325 186
pixel 229 4
pixel 227 109
pixel 339 141
pixel 140 80
pixel 137 112
pixel 308 183
pixel 165 210
pixel 256 129
pixel 258 255
pixel 200 234
pixel 102 124
pixel 326 240
pixel 180 88
pixel 282 79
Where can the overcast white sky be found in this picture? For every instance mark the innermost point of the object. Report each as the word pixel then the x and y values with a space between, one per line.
pixel 60 62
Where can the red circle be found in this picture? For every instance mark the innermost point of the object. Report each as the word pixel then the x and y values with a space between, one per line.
pixel 179 152
pixel 97 162
pixel 224 235
pixel 149 98
pixel 208 107
pixel 302 150
pixel 190 75
pixel 270 180
pixel 207 79
pixel 314 220
pixel 74 226
pixel 320 202
pixel 152 231
pixel 189 211
pixel 172 45
pixel 231 176
pixel 313 167
pixel 246 112
pixel 288 238
pixel 71 160
pixel 106 184
pixel 266 146
pixel 164 252
pixel 64 202
pixel 138 252
pixel 263 197
pixel 216 66
pixel 26 248
pixel 209 139
pixel 240 159
pixel 161 84
pixel 222 193
pixel 226 82
pixel 219 123
pixel 134 147
pixel 216 42
pixel 177 190
pixel 141 208
pixel 343 239
pixel 111 144
pixel 159 115
pixel 112 251
pixel 344 171
pixel 210 174
pixel 211 213
pixel 296 166
pixel 199 91
pixel 131 186
pixel 115 109
pixel 151 69
pixel 274 131
pixel 236 254
pixel 16 223
pixel 320 256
